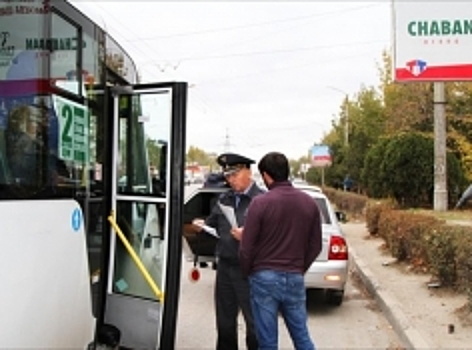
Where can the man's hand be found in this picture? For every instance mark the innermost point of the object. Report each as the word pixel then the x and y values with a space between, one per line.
pixel 237 233
pixel 197 224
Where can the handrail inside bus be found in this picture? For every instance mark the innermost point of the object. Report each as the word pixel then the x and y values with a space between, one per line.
pixel 135 257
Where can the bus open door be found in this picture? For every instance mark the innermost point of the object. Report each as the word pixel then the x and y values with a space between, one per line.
pixel 146 196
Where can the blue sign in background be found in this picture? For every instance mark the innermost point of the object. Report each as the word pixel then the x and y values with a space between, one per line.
pixel 320 155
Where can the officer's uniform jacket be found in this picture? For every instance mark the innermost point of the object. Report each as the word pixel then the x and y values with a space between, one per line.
pixel 228 247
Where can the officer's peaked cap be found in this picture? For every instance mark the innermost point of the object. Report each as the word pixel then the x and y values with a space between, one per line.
pixel 233 161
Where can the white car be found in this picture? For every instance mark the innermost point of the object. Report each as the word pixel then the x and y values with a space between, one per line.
pixel 307 187
pixel 330 270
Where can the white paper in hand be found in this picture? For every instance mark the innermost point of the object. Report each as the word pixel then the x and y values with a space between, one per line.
pixel 211 231
pixel 208 229
pixel 229 214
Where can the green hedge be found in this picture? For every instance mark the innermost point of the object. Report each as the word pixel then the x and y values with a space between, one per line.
pixel 427 243
pixel 351 203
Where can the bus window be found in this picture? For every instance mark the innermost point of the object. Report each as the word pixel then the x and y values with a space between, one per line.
pixel 65 49
pixel 144 132
pixel 144 136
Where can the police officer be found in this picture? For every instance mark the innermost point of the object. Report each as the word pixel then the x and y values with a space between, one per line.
pixel 231 289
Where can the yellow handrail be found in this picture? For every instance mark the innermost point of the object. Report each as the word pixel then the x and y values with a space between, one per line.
pixel 134 256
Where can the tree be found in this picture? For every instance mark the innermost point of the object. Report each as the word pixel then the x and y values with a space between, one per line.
pixel 198 156
pixel 459 118
pixel 408 169
pixel 367 124
pixel 407 107
pixel 373 178
pixel 154 152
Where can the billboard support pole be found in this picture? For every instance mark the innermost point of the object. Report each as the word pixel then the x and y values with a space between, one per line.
pixel 440 169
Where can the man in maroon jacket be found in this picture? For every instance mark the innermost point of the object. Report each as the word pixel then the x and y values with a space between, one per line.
pixel 280 240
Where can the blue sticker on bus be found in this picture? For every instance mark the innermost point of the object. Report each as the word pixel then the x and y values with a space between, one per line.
pixel 76 219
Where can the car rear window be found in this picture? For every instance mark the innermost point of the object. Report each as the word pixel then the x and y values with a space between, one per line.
pixel 325 218
pixel 321 202
pixel 322 205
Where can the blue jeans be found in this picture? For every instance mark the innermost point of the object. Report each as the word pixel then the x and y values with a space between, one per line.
pixel 273 292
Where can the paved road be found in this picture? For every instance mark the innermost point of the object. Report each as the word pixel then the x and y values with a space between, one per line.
pixel 356 324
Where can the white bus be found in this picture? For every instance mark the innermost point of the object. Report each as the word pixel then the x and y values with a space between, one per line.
pixel 78 137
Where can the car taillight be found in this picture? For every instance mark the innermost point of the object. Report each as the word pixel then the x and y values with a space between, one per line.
pixel 337 248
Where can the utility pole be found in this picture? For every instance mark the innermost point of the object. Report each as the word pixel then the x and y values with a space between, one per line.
pixel 227 143
pixel 346 123
pixel 440 165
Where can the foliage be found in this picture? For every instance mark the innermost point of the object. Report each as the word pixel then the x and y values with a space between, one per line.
pixel 393 110
pixel 463 262
pixel 408 167
pixel 154 152
pixel 441 249
pixel 372 176
pixel 334 175
pixel 463 149
pixel 315 175
pixel 198 156
pixel 374 210
pixel 404 234
pixel 427 243
pixel 296 166
pixel 352 203
pixel 402 167
pixel 366 120
pixel 456 178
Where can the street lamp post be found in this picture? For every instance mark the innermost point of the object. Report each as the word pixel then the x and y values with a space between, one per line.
pixel 346 122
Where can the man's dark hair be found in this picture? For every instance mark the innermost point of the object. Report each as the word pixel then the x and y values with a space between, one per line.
pixel 276 165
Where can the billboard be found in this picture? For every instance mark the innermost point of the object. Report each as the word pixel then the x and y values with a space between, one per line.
pixel 432 40
pixel 320 156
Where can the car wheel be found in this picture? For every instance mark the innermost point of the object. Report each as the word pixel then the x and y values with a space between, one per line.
pixel 334 297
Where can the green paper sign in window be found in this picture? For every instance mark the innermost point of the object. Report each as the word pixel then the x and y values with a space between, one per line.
pixel 73 127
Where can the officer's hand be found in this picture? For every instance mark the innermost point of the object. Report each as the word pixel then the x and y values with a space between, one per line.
pixel 197 224
pixel 237 233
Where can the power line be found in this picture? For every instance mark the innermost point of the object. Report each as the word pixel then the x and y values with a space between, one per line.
pixel 270 52
pixel 227 144
pixel 251 25
pixel 129 30
pixel 268 71
pixel 162 68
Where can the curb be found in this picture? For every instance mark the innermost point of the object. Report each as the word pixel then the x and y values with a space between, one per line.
pixel 409 336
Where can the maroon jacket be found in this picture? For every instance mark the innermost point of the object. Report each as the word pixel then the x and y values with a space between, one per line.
pixel 282 231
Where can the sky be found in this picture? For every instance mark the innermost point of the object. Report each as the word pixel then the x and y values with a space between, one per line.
pixel 263 76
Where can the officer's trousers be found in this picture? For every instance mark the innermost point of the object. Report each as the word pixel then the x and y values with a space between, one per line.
pixel 232 295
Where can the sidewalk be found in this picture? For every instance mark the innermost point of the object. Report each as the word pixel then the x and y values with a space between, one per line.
pixel 421 316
